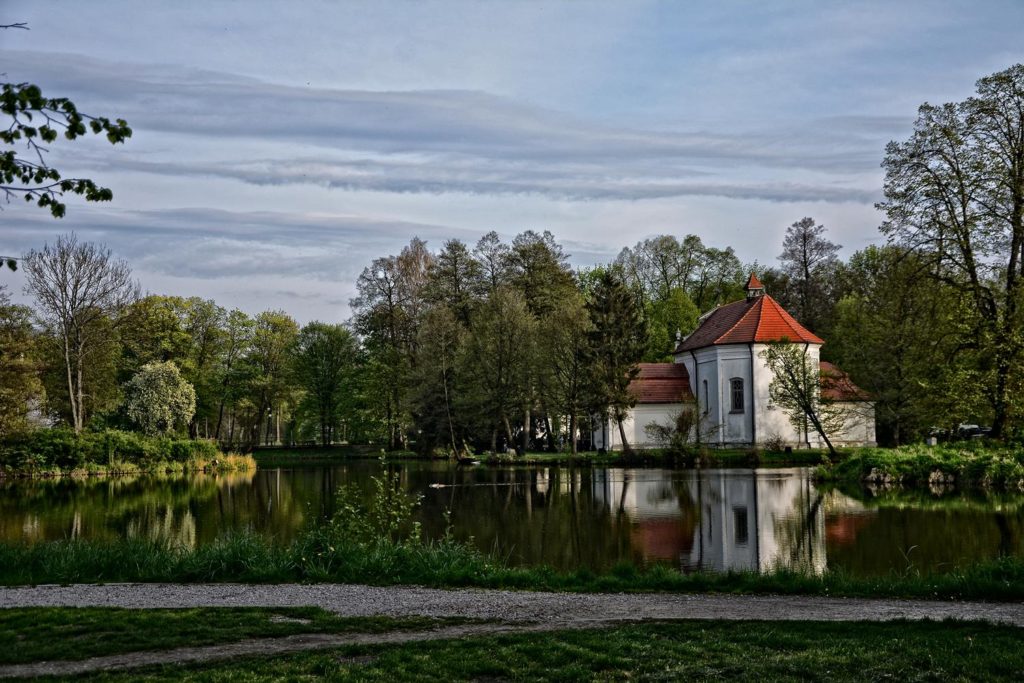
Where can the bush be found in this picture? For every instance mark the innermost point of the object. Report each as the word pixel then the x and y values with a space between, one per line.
pixel 965 464
pixel 47 449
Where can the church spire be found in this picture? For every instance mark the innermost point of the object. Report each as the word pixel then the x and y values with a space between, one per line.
pixel 754 287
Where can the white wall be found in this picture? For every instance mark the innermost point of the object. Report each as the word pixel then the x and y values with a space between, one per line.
pixel 760 420
pixel 635 423
pixel 858 424
pixel 718 365
pixel 771 420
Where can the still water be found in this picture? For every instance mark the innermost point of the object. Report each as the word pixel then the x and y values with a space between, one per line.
pixel 560 516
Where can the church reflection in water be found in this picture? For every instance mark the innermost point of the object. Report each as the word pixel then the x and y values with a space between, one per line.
pixel 722 520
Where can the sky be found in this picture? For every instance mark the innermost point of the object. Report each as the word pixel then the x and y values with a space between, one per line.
pixel 279 147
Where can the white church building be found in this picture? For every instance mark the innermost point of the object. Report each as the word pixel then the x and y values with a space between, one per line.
pixel 719 371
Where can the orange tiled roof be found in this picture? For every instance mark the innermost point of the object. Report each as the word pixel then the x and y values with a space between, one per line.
pixel 760 319
pixel 661 383
pixel 753 283
pixel 836 385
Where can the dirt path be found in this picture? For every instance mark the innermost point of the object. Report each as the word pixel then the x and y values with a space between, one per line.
pixel 522 611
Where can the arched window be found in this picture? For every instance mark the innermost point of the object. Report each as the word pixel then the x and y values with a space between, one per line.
pixel 736 390
pixel 707 398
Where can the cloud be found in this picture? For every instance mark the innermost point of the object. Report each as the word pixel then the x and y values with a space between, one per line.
pixel 465 176
pixel 212 244
pixel 441 141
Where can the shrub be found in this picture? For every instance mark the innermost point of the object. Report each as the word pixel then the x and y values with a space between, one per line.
pixel 966 464
pixel 62 449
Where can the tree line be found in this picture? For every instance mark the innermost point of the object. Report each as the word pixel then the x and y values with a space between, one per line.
pixel 500 345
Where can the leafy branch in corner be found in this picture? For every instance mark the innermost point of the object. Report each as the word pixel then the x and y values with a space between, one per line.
pixel 36 121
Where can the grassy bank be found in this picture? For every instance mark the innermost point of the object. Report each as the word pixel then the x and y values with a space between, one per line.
pixel 319 558
pixel 720 650
pixel 652 457
pixel 61 452
pixel 326 455
pixel 957 465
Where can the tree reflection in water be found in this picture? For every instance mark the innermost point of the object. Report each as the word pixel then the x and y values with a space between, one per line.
pixel 565 517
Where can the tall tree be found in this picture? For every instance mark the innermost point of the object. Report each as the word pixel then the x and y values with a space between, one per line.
pixel 895 334
pixel 392 298
pixel 810 261
pixel 455 280
pixel 492 255
pixel 954 193
pixel 78 286
pixel 538 267
pixel 273 338
pixel 668 317
pixel 565 344
pixel 437 393
pixel 230 372
pixel 617 343
pixel 324 359
pixel 20 387
pixel 496 360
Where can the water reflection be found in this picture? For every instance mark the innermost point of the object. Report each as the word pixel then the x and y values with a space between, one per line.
pixel 716 520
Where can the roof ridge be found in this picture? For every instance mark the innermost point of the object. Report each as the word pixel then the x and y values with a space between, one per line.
pixel 742 317
pixel 793 324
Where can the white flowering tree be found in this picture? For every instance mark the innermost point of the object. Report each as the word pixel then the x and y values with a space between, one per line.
pixel 158 398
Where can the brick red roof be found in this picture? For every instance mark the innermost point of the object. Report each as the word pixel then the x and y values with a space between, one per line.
pixel 661 383
pixel 760 319
pixel 753 283
pixel 836 385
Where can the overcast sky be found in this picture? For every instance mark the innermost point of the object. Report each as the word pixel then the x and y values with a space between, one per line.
pixel 279 147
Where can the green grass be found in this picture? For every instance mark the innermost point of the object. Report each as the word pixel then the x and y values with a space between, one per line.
pixel 735 651
pixel 314 558
pixel 41 634
pixel 965 465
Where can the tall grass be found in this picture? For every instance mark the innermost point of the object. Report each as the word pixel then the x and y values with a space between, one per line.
pixel 247 558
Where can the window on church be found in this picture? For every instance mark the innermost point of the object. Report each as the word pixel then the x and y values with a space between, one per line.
pixel 736 386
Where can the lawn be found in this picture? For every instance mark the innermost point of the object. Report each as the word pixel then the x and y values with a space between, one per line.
pixel 740 651
pixel 68 633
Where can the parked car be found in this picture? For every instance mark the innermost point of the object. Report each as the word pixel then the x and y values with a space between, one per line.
pixel 971 431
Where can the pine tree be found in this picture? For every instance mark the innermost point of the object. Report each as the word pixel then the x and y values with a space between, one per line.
pixel 617 342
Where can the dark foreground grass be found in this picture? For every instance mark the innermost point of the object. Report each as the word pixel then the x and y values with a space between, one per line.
pixel 735 651
pixel 251 559
pixel 67 633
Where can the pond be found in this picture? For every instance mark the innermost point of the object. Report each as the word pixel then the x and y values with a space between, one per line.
pixel 736 519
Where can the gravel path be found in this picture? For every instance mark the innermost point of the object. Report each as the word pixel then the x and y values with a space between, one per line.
pixel 509 606
pixel 521 611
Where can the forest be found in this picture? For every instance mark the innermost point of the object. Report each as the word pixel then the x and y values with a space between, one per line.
pixel 499 345
pixel 488 346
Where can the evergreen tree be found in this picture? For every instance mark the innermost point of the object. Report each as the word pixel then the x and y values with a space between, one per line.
pixel 617 344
